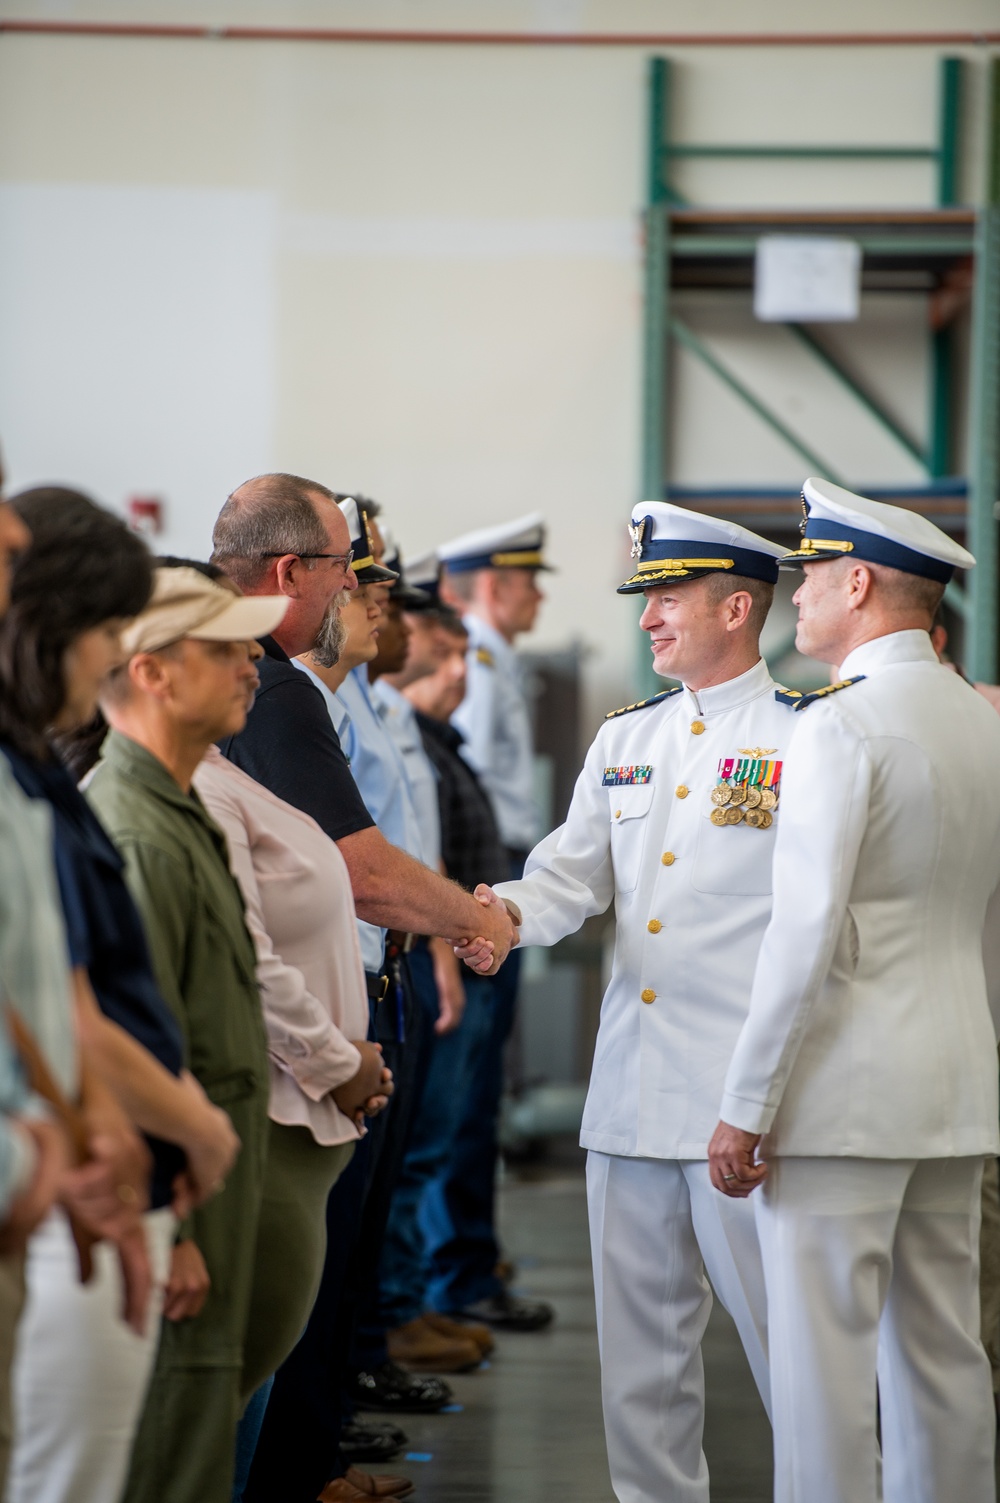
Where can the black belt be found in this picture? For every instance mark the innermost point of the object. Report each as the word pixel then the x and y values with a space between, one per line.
pixel 377 986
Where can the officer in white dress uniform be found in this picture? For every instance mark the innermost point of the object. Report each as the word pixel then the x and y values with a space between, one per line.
pixel 673 819
pixel 868 1056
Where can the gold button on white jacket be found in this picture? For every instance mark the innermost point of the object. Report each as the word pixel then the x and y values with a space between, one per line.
pixel 659 1065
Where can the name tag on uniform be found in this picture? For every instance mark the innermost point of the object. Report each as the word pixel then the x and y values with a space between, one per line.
pixel 621 777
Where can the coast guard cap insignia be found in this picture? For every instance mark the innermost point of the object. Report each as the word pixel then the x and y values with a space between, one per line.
pixel 635 532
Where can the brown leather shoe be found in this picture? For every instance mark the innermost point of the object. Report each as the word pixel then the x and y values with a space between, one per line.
pixel 460 1330
pixel 420 1349
pixel 357 1486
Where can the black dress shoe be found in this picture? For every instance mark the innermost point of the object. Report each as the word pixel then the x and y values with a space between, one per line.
pixel 509 1312
pixel 371 1442
pixel 389 1389
pixel 379 1427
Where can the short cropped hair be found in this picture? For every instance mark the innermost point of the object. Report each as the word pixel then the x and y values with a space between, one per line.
pixel 269 515
pixel 449 620
pixel 721 585
pixel 906 592
pixel 461 583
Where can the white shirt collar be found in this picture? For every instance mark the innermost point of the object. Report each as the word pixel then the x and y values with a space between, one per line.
pixel 883 652
pixel 735 691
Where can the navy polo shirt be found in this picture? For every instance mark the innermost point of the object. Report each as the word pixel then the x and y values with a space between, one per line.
pixel 290 746
pixel 105 934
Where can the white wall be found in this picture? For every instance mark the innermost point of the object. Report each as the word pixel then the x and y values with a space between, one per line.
pixel 416 270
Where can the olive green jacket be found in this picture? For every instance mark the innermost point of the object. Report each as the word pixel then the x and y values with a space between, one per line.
pixel 177 867
pixel 178 871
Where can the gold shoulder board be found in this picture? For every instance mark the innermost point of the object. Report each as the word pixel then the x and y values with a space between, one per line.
pixel 642 703
pixel 800 701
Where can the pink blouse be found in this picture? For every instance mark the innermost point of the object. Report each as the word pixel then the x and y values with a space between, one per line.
pixel 300 911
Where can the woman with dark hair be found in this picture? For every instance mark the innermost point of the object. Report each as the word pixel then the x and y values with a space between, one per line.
pixel 80 1374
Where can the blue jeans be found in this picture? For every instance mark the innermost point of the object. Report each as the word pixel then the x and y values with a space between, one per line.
pixel 457 1213
pixel 246 1436
pixel 404 1273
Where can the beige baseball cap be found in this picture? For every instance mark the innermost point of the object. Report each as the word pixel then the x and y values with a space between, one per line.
pixel 184 603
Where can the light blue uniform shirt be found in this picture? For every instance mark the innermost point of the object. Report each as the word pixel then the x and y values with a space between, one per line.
pixel 493 718
pixel 400 720
pixel 378 770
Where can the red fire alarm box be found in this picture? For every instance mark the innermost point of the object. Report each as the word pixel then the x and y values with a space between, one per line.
pixel 145 515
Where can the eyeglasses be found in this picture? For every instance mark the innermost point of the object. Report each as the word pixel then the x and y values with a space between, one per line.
pixel 343 559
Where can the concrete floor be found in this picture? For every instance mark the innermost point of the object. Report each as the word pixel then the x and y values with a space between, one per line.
pixel 530 1429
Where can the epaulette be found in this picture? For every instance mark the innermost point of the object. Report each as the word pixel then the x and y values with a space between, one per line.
pixel 642 703
pixel 483 655
pixel 799 701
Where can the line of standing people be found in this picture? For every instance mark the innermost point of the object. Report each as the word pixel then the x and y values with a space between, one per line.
pixel 229 1016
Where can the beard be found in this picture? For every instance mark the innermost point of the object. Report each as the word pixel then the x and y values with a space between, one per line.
pixel 332 635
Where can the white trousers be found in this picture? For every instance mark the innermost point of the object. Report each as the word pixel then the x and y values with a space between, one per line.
pixel 872 1269
pixel 80 1375
pixel 656 1227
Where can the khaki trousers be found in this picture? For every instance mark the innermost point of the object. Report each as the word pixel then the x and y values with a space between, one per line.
pixel 291 1246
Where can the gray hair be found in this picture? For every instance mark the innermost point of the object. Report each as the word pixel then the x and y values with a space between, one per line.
pixel 264 518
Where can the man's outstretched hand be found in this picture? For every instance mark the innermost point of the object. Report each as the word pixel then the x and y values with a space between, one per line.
pixel 732 1164
pixel 499 923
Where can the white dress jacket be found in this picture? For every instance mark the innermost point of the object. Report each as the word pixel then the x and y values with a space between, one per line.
pixel 869 1033
pixel 692 901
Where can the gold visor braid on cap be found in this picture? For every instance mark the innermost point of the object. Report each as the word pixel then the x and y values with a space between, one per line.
pixel 825 545
pixel 365 563
pixel 681 565
pixel 521 560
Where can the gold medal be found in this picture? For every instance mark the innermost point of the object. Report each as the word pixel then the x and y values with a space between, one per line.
pixel 768 798
pixel 754 817
pixel 753 798
pixel 718 816
pixel 721 794
pixel 733 815
pixel 765 820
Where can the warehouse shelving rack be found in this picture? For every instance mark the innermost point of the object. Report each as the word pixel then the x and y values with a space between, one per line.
pixel 949 251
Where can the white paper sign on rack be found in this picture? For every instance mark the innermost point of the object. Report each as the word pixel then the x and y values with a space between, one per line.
pixel 806 278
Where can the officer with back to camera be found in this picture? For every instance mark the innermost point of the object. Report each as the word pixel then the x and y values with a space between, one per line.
pixel 868 1055
pixel 673 819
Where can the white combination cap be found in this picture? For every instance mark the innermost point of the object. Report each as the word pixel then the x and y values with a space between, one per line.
pixel 512 545
pixel 670 542
pixel 836 522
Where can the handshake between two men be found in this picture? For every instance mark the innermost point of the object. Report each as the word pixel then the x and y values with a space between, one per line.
pixel 483 955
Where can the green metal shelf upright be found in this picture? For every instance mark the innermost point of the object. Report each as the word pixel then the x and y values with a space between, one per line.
pixel 948 251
